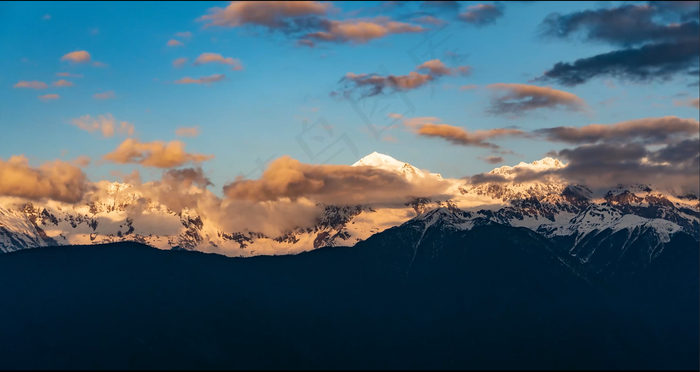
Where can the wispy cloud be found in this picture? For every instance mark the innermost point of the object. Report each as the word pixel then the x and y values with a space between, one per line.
pixel 202 80
pixel 187 132
pixel 31 84
pixel 205 58
pixel 156 154
pixel 49 97
pixel 174 43
pixel 106 95
pixel 106 124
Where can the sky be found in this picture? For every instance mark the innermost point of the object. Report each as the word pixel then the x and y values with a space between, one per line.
pixel 242 84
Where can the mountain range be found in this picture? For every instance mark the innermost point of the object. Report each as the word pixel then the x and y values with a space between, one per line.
pixel 537 275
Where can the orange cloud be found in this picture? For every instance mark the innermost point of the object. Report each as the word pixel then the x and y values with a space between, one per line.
pixel 361 31
pixel 437 68
pixel 154 154
pixel 173 42
pixel 218 58
pixel 106 124
pixel 689 102
pixel 334 184
pixel 187 132
pixel 48 97
pixel 389 138
pixel 67 74
pixel 201 80
pixel 31 84
pixel 179 62
pixel 519 98
pixel 106 95
pixel 272 14
pixel 81 161
pixel 79 56
pixel 55 180
pixel 62 83
pixel 459 136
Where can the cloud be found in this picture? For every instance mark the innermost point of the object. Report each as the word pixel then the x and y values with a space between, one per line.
pixel 648 63
pixel 31 84
pixel 520 98
pixel 187 177
pixel 691 102
pixel 106 95
pixel 100 64
pixel 649 131
pixel 492 159
pixel 179 62
pixel 429 20
pixel 306 43
pixel 106 124
pixel 174 43
pixel 437 68
pixel 482 14
pixel 79 56
pixel 361 31
pixel 652 50
pixel 625 26
pixel 49 97
pixel 468 87
pixel 218 58
pixel 271 14
pixel 332 184
pixel 184 35
pixel 67 74
pixel 55 180
pixel 46 17
pixel 452 6
pixel 459 136
pixel 389 138
pixel 606 165
pixel 154 154
pixel 202 80
pixel 81 161
pixel 187 132
pixel 62 83
pixel 374 84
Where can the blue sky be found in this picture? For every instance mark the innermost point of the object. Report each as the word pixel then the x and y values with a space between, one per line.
pixel 257 112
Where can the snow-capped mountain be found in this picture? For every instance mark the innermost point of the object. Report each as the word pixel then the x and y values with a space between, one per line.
pixel 552 208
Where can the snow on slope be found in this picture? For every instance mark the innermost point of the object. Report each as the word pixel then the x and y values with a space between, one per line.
pixel 551 208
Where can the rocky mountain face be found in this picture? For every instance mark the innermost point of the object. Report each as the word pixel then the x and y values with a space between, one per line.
pixel 552 209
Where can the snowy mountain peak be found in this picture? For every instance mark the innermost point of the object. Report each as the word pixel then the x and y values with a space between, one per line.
pixel 388 163
pixel 537 166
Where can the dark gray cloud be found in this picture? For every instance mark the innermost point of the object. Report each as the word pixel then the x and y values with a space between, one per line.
pixel 648 131
pixel 604 166
pixel 187 177
pixel 648 63
pixel 482 14
pixel 626 25
pixel 660 41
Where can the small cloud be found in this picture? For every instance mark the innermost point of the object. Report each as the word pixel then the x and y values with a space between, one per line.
pixel 67 74
pixel 187 132
pixel 492 159
pixel 94 31
pixel 49 97
pixel 154 154
pixel 106 95
pixel 79 56
pixel 31 84
pixel 202 80
pixel 468 87
pixel 306 43
pixel 689 102
pixel 100 64
pixel 610 84
pixel 46 17
pixel 520 98
pixel 62 83
pixel 173 43
pixel 218 58
pixel 429 20
pixel 482 14
pixel 389 138
pixel 81 161
pixel 106 124
pixel 184 35
pixel 179 62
